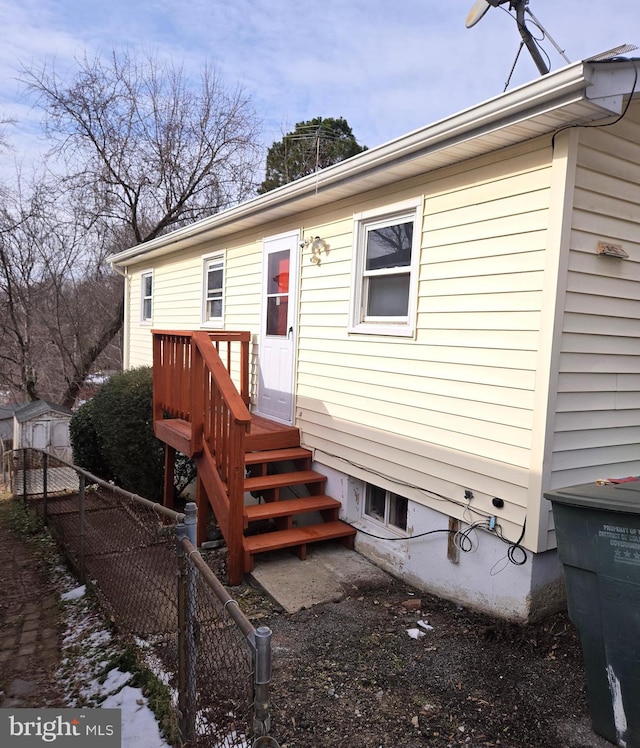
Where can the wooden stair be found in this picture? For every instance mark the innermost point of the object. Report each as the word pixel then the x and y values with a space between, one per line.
pixel 269 477
pixel 297 538
pixel 279 474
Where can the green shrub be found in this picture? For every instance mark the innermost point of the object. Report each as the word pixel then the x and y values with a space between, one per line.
pixel 123 420
pixel 112 437
pixel 87 452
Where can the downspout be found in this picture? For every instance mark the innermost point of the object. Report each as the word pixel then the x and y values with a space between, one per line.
pixel 122 272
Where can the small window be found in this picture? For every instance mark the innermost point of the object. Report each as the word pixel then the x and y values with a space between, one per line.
pixel 385 273
pixel 146 305
pixel 386 507
pixel 213 304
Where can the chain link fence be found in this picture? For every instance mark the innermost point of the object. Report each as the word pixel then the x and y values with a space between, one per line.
pixel 140 559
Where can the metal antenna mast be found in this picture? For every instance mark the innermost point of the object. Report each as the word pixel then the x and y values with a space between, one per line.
pixel 521 7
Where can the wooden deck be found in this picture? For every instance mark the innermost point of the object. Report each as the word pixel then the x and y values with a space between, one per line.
pixel 262 435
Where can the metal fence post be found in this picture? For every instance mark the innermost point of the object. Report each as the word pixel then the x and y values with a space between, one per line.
pixel 262 679
pixel 191 522
pixel 81 560
pixel 24 475
pixel 187 628
pixel 45 473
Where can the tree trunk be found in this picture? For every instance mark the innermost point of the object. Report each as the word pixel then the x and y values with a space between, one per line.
pixel 89 358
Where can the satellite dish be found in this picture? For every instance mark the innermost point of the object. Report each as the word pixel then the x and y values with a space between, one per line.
pixel 480 7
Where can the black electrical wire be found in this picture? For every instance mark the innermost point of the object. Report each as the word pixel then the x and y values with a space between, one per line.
pixel 514 547
pixel 463 541
pixel 605 124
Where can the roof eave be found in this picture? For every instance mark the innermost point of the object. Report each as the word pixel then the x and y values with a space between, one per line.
pixel 589 85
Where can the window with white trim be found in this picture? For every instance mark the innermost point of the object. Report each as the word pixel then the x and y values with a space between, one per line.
pixel 386 507
pixel 213 297
pixel 146 296
pixel 386 267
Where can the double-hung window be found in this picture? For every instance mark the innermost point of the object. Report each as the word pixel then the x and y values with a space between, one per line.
pixel 386 267
pixel 146 297
pixel 213 301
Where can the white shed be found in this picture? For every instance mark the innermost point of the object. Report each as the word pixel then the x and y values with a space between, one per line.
pixel 43 425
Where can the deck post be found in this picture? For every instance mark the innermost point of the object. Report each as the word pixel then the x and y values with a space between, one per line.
pixel 235 557
pixel 244 372
pixel 158 378
pixel 168 491
pixel 197 397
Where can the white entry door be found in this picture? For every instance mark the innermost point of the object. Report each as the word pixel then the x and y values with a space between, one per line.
pixel 278 327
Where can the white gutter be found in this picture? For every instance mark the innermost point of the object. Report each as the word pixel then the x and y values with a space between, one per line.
pixel 565 86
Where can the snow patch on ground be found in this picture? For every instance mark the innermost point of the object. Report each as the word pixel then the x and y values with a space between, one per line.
pixel 74 594
pixel 139 726
pixel 87 649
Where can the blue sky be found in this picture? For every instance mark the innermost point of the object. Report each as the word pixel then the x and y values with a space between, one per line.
pixel 387 67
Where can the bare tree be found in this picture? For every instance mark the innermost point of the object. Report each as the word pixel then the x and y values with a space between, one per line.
pixel 146 148
pixel 138 150
pixel 55 302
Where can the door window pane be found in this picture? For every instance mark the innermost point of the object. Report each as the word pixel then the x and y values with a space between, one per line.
pixel 278 280
pixel 277 315
pixel 278 293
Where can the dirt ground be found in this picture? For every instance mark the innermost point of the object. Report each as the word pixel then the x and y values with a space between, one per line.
pixel 30 628
pixel 348 673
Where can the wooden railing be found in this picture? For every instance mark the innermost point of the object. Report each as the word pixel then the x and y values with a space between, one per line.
pixel 172 360
pixel 192 383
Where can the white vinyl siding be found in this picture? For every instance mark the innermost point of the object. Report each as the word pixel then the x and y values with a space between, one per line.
pixel 597 427
pixel 178 296
pixel 448 409
pixel 518 370
pixel 453 407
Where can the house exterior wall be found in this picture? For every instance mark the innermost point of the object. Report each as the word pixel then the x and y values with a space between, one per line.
pixel 451 409
pixel 597 426
pixel 481 577
pixel 520 371
pixel 448 410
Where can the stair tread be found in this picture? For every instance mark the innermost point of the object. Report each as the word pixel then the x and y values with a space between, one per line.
pixel 297 536
pixel 280 480
pixel 287 507
pixel 276 455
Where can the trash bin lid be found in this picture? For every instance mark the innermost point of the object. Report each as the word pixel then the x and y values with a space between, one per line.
pixel 612 497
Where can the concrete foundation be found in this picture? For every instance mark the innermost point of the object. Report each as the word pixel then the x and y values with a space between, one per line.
pixel 483 578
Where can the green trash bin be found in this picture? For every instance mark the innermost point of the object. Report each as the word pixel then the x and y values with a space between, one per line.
pixel 598 535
